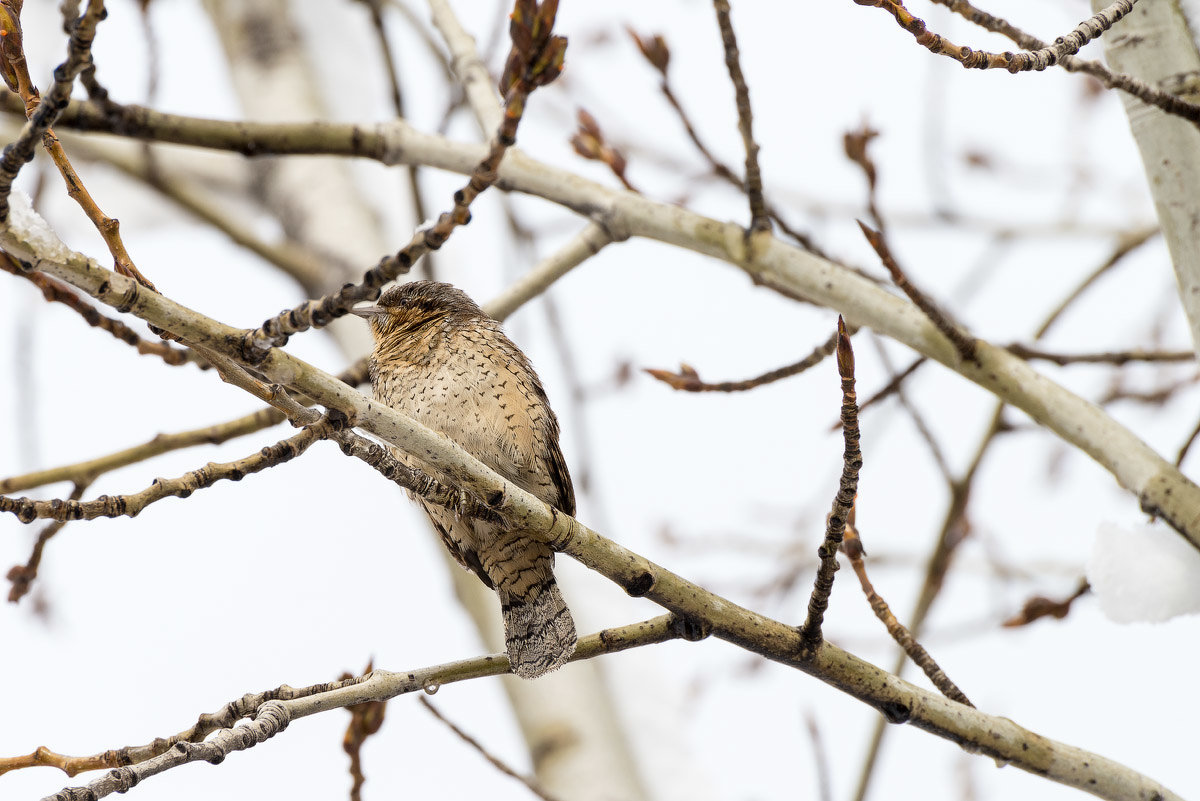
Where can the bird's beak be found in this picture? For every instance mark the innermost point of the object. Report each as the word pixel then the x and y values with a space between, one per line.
pixel 366 312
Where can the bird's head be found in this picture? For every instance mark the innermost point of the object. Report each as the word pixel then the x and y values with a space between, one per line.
pixel 414 306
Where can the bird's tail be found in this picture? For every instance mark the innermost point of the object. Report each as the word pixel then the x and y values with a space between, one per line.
pixel 538 629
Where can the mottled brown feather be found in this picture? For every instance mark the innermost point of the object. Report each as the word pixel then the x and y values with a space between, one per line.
pixel 440 359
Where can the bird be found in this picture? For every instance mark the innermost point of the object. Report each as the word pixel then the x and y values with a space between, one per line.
pixel 440 359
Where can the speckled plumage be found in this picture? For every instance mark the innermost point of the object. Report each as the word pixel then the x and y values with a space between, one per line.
pixel 441 360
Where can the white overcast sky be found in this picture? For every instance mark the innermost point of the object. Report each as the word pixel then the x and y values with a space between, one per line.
pixel 242 587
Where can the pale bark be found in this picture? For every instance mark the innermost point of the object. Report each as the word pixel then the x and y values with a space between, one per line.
pixel 29 239
pixel 1153 43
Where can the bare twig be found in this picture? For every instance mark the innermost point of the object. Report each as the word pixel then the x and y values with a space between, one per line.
pixel 759 220
pixel 530 783
pixel 139 761
pixel 28 510
pixel 1038 60
pixel 88 471
pixel 535 60
pixel 658 54
pixel 963 343
pixel 1147 93
pixel 585 244
pixel 42 113
pixel 1187 445
pixel 903 637
pixel 843 501
pixel 888 389
pixel 56 291
pixel 688 380
pixel 1116 358
pixel 22 576
pixel 856 144
pixel 375 9
pixel 953 532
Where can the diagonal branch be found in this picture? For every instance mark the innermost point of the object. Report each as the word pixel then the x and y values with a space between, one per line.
pixel 58 292
pixel 1038 60
pixel 135 763
pixel 903 637
pixel 1146 92
pixel 530 783
pixel 1158 485
pixel 28 510
pixel 702 610
pixel 962 341
pixel 16 75
pixel 535 60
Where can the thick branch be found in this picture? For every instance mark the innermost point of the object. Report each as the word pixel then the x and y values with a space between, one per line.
pixel 1159 486
pixel 288 703
pixel 898 700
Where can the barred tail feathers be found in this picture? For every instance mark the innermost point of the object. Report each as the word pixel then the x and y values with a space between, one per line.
pixel 538 629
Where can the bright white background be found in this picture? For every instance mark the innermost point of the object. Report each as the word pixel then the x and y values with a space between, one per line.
pixel 302 572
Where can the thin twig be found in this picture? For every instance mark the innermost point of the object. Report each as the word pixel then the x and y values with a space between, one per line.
pixel 590 240
pixel 918 419
pixel 688 380
pixel 856 144
pixel 962 342
pixel 1187 445
pixel 1151 95
pixel 1116 358
pixel 28 510
pixel 759 220
pixel 16 74
pixel 377 685
pixel 1126 244
pixel 375 8
pixel 656 52
pixel 820 758
pixel 953 533
pixel 843 501
pixel 888 389
pixel 535 60
pixel 22 576
pixel 88 471
pixel 56 291
pixel 530 783
pixel 42 113
pixel 852 546
pixel 1037 60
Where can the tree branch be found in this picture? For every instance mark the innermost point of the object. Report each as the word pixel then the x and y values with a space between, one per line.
pixel 1159 486
pixel 704 611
